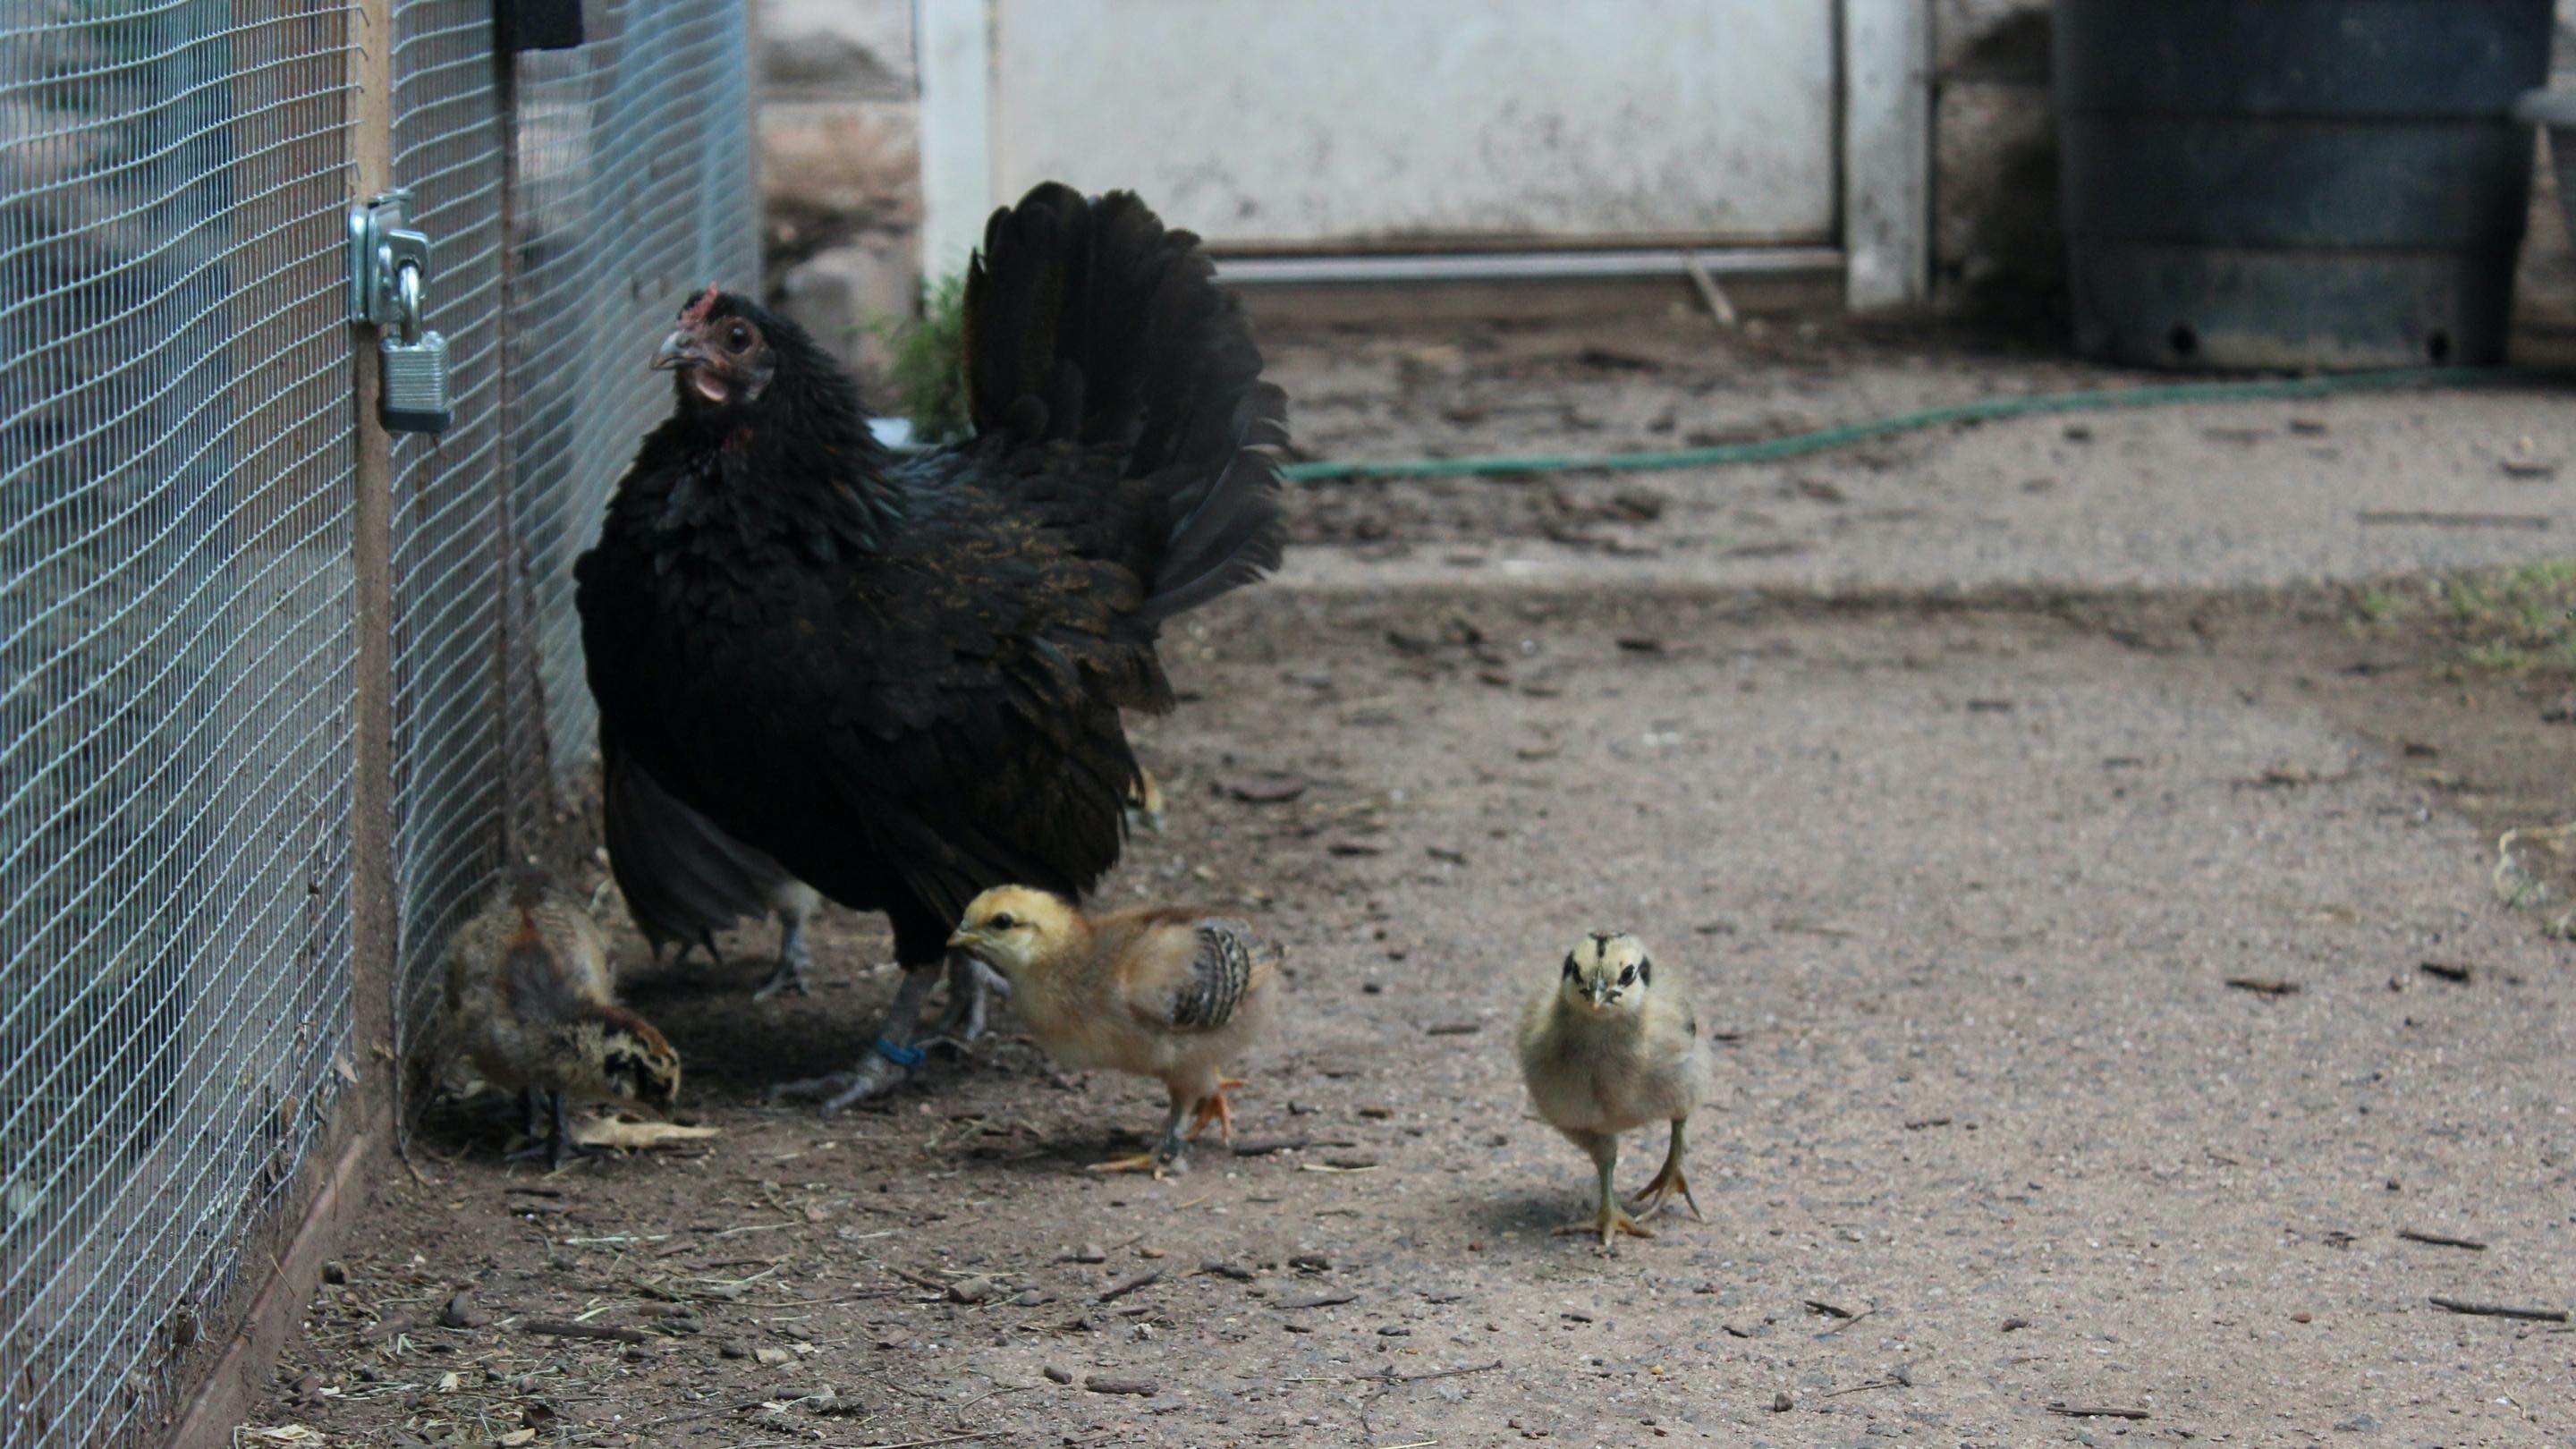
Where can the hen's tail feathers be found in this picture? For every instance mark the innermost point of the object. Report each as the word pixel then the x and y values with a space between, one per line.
pixel 684 878
pixel 1089 321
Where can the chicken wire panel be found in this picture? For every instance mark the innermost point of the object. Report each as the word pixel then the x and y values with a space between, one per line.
pixel 636 189
pixel 450 787
pixel 176 672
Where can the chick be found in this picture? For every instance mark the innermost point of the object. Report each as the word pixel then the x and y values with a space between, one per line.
pixel 529 1000
pixel 1605 1049
pixel 1158 992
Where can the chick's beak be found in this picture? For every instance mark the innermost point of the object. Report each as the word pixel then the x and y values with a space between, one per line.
pixel 965 940
pixel 678 350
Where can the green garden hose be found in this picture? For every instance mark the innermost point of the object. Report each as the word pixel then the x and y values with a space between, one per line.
pixel 1844 435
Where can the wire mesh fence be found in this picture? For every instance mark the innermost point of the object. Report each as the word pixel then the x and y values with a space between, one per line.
pixel 637 187
pixel 178 585
pixel 176 643
pixel 447 546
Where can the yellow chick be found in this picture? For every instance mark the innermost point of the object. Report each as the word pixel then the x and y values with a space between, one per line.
pixel 1606 1048
pixel 1158 992
pixel 529 1000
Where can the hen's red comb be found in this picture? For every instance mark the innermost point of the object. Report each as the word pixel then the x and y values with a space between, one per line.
pixel 696 312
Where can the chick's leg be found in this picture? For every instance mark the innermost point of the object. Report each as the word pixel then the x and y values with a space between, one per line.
pixel 1657 1195
pixel 1214 1108
pixel 1167 1150
pixel 891 1057
pixel 1611 1220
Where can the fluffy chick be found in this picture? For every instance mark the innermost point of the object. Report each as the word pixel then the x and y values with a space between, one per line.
pixel 1158 992
pixel 1605 1048
pixel 528 992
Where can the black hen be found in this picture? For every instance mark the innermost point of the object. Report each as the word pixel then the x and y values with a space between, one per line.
pixel 901 678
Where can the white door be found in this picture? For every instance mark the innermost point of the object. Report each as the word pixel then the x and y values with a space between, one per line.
pixel 1304 125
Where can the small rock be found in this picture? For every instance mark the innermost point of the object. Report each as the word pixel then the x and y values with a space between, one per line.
pixel 1270 787
pixel 733 1348
pixel 1089 1253
pixel 308 1385
pixel 970 1290
pixel 1377 1114
pixel 1780 1401
pixel 2303 1316
pixel 1029 1298
pixel 2015 1325
pixel 2357 1424
pixel 1060 1375
pixel 460 1312
pixel 335 1271
pixel 1311 1262
pixel 772 1356
pixel 1141 1388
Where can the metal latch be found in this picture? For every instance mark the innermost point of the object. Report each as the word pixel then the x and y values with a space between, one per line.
pixel 389 290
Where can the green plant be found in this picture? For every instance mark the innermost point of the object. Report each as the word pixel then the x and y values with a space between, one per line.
pixel 929 371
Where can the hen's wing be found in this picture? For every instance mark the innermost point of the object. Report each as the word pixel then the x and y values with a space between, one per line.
pixel 684 879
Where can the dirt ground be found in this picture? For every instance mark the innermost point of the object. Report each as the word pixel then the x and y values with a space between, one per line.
pixel 2103 986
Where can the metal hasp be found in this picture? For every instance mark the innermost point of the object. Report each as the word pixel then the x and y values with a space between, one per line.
pixel 389 290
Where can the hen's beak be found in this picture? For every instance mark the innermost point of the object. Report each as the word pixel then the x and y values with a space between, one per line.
pixel 680 349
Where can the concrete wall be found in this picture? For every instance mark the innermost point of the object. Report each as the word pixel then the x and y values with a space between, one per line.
pixel 839 126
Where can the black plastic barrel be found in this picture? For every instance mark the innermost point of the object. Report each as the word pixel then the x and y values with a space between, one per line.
pixel 2294 183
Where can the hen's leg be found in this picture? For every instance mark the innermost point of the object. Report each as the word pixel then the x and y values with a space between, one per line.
pixel 890 1059
pixel 970 989
pixel 789 974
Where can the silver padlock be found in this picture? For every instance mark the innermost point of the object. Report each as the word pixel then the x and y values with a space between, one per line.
pixel 415 396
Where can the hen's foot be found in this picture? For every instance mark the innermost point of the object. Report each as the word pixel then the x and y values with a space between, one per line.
pixel 890 1062
pixel 787 975
pixel 970 983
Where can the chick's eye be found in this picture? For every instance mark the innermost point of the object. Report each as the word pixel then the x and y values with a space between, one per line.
pixel 739 337
pixel 1627 975
pixel 1005 921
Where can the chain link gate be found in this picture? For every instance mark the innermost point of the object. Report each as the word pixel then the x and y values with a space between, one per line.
pixel 180 546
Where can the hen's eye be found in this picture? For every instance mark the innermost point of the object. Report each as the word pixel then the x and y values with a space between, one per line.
pixel 739 337
pixel 1005 921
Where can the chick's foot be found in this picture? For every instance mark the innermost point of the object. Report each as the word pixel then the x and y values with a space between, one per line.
pixel 1657 1195
pixel 1214 1108
pixel 1156 1163
pixel 1610 1222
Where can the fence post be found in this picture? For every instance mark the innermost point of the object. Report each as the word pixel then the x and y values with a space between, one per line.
pixel 337 1173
